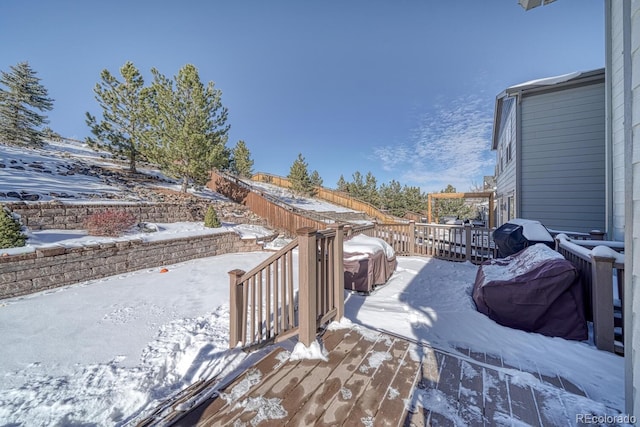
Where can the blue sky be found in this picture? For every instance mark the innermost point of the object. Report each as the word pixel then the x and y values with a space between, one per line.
pixel 402 88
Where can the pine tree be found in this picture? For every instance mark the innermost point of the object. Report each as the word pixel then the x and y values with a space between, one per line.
pixel 299 177
pixel 316 180
pixel 414 199
pixel 342 184
pixel 121 128
pixel 391 198
pixel 11 235
pixel 241 163
pixel 455 207
pixel 20 103
pixel 371 190
pixel 187 126
pixel 357 187
pixel 211 219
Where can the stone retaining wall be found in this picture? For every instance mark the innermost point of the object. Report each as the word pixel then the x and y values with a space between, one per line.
pixel 62 216
pixel 59 266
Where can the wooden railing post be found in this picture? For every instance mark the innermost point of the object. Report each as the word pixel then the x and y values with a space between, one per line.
pixel 602 299
pixel 237 316
pixel 467 242
pixel 338 270
pixel 307 287
pixel 412 238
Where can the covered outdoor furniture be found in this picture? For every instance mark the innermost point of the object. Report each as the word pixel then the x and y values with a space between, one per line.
pixel 368 262
pixel 517 234
pixel 535 290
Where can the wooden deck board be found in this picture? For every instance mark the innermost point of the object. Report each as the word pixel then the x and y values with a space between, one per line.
pixel 357 381
pixel 496 398
pixel 305 408
pixel 366 407
pixel 523 406
pixel 471 393
pixel 392 409
pixel 375 380
pixel 544 401
pixel 207 411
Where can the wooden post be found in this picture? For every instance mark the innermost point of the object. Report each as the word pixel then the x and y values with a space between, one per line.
pixel 412 238
pixel 338 270
pixel 602 299
pixel 429 208
pixel 467 242
pixel 307 287
pixel 237 317
pixel 492 219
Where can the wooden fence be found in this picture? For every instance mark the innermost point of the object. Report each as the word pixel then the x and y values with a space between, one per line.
pixel 278 215
pixel 263 306
pixel 332 196
pixel 601 269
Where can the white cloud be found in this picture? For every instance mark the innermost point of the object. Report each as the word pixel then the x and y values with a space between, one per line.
pixel 448 146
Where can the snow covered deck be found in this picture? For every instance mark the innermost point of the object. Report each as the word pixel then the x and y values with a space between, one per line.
pixel 376 379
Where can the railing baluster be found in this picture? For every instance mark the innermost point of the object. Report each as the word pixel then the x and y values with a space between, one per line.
pixel 261 333
pixel 286 298
pixel 236 311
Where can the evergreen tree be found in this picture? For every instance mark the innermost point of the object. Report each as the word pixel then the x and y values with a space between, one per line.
pixel 20 104
pixel 123 123
pixel 342 184
pixel 357 187
pixel 50 134
pixel 454 207
pixel 188 126
pixel 391 198
pixel 241 163
pixel 211 219
pixel 11 235
pixel 371 189
pixel 414 199
pixel 299 177
pixel 316 180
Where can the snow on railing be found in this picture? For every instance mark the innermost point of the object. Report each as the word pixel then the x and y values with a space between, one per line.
pixel 601 268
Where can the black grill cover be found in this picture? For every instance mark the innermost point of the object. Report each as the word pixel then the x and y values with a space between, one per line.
pixel 517 234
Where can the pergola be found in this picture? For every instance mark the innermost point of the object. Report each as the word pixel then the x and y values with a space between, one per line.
pixel 478 195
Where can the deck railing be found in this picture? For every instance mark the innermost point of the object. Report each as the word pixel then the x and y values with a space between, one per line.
pixel 601 269
pixel 449 242
pixel 264 305
pixel 272 302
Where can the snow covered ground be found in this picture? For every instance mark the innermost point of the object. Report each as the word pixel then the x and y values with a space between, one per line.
pixel 108 351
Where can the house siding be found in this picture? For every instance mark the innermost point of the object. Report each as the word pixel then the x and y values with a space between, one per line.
pixel 563 158
pixel 632 233
pixel 505 166
pixel 616 74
